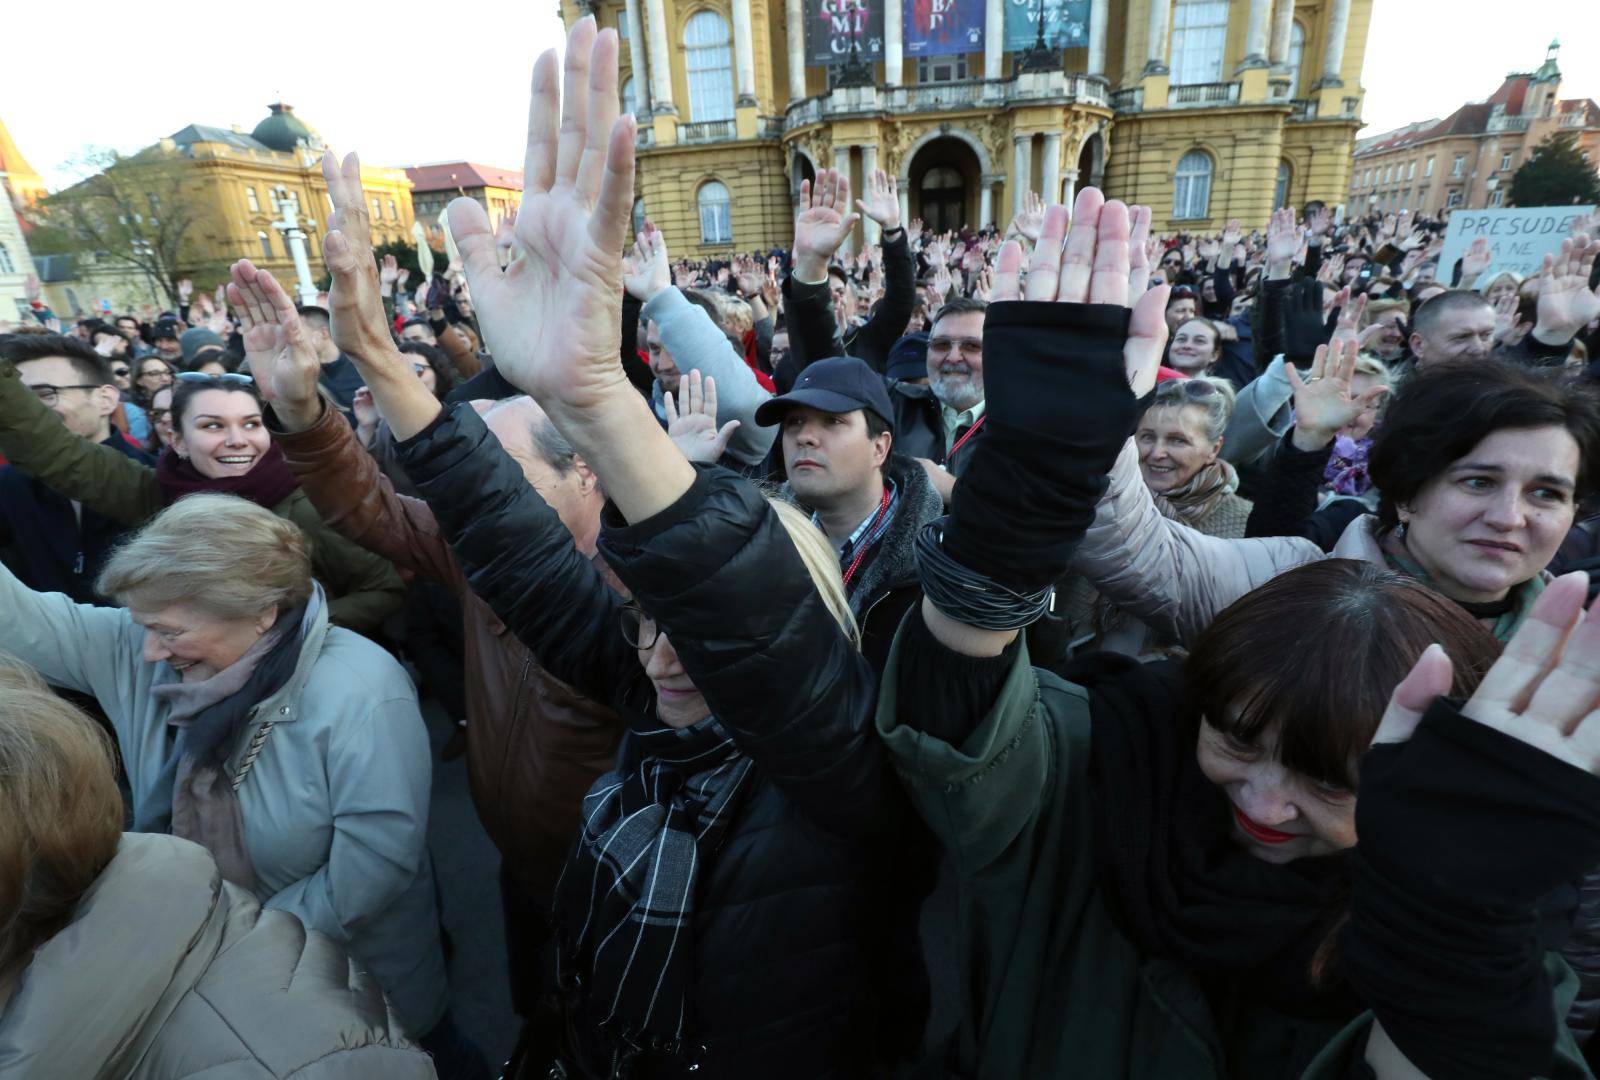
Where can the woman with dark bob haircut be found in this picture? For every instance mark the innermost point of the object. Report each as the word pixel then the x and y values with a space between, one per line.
pixel 1158 868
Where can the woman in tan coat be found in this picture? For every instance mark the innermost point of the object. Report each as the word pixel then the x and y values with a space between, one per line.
pixel 128 956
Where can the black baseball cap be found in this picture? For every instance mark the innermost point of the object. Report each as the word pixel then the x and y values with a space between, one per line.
pixel 839 384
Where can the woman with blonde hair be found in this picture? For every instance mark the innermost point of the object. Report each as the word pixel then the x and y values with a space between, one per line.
pixel 129 957
pixel 291 750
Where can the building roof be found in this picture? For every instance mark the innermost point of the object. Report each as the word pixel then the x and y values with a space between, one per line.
pixel 204 133
pixel 449 175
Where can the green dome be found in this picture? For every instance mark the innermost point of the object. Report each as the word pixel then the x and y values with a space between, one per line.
pixel 283 130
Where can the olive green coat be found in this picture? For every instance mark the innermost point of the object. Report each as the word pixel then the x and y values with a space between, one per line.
pixel 363 589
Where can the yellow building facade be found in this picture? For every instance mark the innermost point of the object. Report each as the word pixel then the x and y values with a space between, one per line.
pixel 237 184
pixel 1203 110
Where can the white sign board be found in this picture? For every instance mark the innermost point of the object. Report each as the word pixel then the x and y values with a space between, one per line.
pixel 1518 239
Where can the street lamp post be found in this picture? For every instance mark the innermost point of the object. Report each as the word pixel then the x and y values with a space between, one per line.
pixel 294 238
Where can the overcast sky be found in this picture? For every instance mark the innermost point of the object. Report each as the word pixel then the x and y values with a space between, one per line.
pixel 407 81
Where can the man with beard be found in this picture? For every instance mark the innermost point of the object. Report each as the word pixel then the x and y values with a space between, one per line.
pixel 938 423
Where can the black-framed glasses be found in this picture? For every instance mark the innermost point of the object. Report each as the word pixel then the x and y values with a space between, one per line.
pixel 51 394
pixel 162 372
pixel 639 629
pixel 228 378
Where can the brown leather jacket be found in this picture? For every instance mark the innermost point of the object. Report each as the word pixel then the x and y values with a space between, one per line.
pixel 534 745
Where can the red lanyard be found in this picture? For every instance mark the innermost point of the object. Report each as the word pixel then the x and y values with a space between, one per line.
pixel 855 564
pixel 971 431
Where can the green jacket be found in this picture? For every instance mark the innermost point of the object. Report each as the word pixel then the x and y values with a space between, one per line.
pixel 1057 988
pixel 363 589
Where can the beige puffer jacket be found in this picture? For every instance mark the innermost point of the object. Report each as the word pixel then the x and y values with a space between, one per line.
pixel 168 972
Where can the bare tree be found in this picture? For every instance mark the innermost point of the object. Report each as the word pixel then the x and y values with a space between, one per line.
pixel 141 212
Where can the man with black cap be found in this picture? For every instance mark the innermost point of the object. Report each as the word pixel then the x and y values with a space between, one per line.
pixel 868 501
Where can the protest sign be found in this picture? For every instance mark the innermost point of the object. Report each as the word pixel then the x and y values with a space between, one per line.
pixel 943 27
pixel 1518 239
pixel 1066 23
pixel 836 28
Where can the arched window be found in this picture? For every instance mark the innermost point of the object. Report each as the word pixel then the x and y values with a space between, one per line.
pixel 1199 35
pixel 708 59
pixel 716 220
pixel 1280 194
pixel 1191 190
pixel 6 265
pixel 1297 52
pixel 266 245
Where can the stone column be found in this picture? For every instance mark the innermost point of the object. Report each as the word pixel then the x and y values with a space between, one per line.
pixel 841 164
pixel 1282 31
pixel 1021 169
pixel 1070 191
pixel 744 54
pixel 1160 25
pixel 795 20
pixel 1052 167
pixel 994 37
pixel 893 46
pixel 1333 55
pixel 905 203
pixel 869 161
pixel 660 64
pixel 986 201
pixel 641 69
pixel 1255 35
pixel 1099 12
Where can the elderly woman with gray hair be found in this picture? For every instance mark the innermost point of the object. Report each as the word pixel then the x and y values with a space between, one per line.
pixel 292 750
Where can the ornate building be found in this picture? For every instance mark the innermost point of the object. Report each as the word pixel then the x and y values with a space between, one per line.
pixel 1202 109
pixel 433 186
pixel 1467 158
pixel 236 184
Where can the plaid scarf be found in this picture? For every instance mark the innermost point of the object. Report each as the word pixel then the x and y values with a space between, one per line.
pixel 625 903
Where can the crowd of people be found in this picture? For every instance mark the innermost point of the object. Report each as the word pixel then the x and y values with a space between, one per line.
pixel 1202 688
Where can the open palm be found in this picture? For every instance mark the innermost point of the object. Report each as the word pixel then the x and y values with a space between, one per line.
pixel 552 317
pixel 277 347
pixel 824 219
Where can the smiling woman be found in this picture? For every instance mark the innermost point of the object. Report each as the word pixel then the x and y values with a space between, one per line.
pixel 218 445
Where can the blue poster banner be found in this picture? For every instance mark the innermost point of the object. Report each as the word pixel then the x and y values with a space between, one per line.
pixel 1066 23
pixel 943 27
pixel 836 28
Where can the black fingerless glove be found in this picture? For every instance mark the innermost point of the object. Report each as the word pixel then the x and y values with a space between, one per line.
pixel 1057 411
pixel 1303 325
pixel 1471 845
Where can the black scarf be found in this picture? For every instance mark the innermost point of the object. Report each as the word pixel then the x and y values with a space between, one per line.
pixel 625 903
pixel 1178 885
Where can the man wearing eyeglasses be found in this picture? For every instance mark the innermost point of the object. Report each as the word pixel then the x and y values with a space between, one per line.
pixel 54 544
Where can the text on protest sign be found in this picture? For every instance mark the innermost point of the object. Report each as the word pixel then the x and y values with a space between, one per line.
pixel 1518 239
pixel 1066 23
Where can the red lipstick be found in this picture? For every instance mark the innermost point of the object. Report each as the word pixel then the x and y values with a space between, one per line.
pixel 1257 831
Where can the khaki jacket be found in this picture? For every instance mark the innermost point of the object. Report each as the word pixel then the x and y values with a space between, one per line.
pixel 166 972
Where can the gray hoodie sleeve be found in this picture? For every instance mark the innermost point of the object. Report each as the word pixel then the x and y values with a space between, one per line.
pixel 696 343
pixel 1261 415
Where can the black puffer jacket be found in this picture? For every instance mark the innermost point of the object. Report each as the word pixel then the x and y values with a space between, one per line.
pixel 794 911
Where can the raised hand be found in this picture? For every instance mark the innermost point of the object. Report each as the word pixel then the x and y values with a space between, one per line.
pixel 1508 329
pixel 694 429
pixel 1319 223
pixel 1090 263
pixel 1566 303
pixel 914 231
pixel 283 361
pixel 185 289
pixel 552 318
pixel 645 271
pixel 942 282
pixel 1031 220
pixel 364 410
pixel 1231 235
pixel 1350 315
pixel 983 285
pixel 1323 402
pixel 1543 691
pixel 505 236
pixel 1474 261
pixel 1210 247
pixel 1283 240
pixel 1142 249
pixel 388 274
pixel 881 200
pixel 822 224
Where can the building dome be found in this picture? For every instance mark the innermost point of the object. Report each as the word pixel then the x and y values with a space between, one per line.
pixel 284 131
